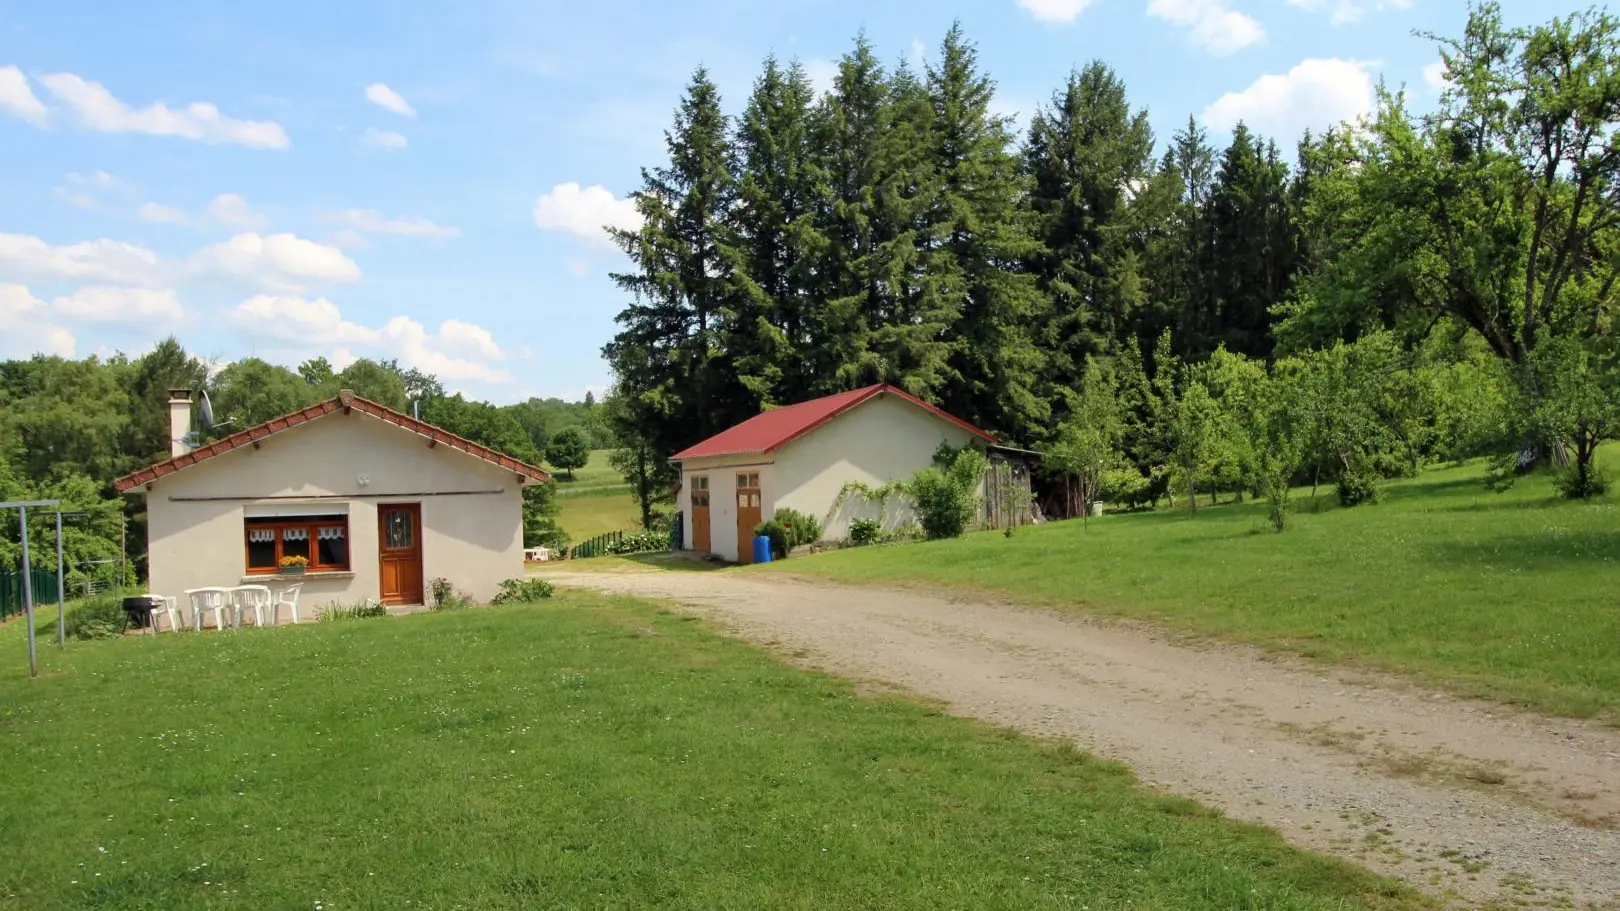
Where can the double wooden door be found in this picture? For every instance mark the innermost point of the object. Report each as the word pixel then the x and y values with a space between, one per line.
pixel 748 514
pixel 700 513
pixel 399 552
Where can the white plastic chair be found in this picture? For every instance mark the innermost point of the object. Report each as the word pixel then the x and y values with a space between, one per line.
pixel 250 597
pixel 287 597
pixel 164 606
pixel 208 599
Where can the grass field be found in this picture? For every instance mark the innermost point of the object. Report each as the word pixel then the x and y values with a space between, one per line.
pixel 1511 596
pixel 596 473
pixel 596 502
pixel 591 513
pixel 587 753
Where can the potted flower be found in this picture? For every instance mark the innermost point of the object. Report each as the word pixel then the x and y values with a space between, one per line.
pixel 294 566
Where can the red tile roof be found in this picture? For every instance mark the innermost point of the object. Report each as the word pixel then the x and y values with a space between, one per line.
pixel 344 401
pixel 772 429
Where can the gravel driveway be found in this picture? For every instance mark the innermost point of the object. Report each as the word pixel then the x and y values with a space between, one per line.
pixel 1463 799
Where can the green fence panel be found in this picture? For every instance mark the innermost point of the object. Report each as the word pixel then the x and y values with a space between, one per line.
pixel 11 590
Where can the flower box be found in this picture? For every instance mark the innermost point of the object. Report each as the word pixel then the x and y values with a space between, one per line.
pixel 293 570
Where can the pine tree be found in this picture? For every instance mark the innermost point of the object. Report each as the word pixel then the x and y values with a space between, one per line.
pixel 1181 259
pixel 846 130
pixel 907 316
pixel 776 243
pixel 664 356
pixel 1251 244
pixel 1088 157
pixel 979 257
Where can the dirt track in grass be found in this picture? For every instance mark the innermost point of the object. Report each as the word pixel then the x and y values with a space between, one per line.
pixel 1469 801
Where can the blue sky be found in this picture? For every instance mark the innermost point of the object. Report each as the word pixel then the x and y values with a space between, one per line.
pixel 425 181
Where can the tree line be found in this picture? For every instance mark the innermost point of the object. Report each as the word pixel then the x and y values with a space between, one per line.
pixel 68 428
pixel 1161 319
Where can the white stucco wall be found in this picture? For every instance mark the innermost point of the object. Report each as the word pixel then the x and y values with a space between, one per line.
pixel 884 439
pixel 474 540
pixel 722 472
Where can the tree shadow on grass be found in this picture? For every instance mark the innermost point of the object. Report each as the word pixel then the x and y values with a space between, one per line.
pixel 1531 551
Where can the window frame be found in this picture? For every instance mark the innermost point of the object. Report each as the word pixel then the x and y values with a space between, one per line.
pixel 700 492
pixel 312 526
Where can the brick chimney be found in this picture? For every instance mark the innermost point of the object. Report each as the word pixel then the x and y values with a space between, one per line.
pixel 179 422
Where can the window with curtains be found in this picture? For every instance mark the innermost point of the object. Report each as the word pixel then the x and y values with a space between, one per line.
pixel 322 540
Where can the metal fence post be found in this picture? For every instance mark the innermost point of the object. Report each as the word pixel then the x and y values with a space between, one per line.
pixel 61 591
pixel 28 593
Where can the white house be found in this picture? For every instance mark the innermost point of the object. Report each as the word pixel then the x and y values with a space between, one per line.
pixel 377 502
pixel 802 457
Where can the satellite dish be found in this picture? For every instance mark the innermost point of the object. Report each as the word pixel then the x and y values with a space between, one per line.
pixel 205 410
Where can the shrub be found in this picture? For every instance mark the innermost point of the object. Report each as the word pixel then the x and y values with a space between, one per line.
pixel 1357 486
pixel 440 590
pixel 801 528
pixel 523 591
pixel 778 534
pixel 1576 485
pixel 865 531
pixel 365 610
pixel 947 499
pixel 101 617
pixel 639 542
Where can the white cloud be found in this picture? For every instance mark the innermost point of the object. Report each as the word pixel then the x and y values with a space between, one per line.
pixel 102 304
pixel 1347 11
pixel 373 222
pixel 1055 10
pixel 436 353
pixel 75 198
pixel 585 211
pixel 1219 29
pixel 97 109
pixel 389 100
pixel 25 256
pixel 386 140
pixel 293 319
pixel 1315 94
pixel 232 210
pixel 225 210
pixel 466 338
pixel 919 53
pixel 25 329
pixel 162 214
pixel 279 261
pixel 457 352
pixel 17 98
pixel 1434 75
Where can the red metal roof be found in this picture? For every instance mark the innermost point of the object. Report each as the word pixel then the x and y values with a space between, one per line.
pixel 772 429
pixel 344 401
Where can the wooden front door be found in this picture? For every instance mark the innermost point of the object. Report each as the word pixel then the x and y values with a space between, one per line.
pixel 399 551
pixel 700 514
pixel 747 514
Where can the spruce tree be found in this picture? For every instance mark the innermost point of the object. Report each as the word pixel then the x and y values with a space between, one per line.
pixel 1251 244
pixel 1088 157
pixel 846 129
pixel 979 256
pixel 775 240
pixel 665 354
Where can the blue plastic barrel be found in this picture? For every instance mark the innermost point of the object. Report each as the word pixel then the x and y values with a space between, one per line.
pixel 762 549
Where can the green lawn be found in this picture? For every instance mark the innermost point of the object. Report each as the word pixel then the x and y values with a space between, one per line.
pixel 591 513
pixel 596 473
pixel 1511 596
pixel 596 501
pixel 586 753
